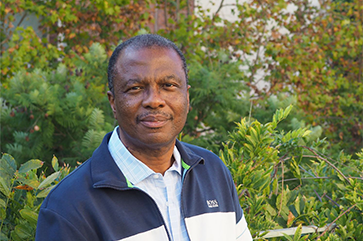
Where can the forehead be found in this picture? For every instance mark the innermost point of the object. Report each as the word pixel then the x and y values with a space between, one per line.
pixel 148 64
pixel 149 57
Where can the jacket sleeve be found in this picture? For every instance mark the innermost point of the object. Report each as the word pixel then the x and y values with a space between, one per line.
pixel 242 231
pixel 52 226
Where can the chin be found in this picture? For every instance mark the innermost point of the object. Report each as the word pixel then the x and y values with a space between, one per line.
pixel 152 140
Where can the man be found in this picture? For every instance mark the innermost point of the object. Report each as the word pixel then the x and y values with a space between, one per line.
pixel 142 183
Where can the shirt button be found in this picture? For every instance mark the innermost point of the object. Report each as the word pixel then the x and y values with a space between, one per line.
pixel 156 176
pixel 167 203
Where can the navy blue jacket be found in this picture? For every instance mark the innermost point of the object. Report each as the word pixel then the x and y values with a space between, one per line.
pixel 96 202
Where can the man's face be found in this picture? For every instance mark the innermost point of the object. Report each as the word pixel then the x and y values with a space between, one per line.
pixel 151 97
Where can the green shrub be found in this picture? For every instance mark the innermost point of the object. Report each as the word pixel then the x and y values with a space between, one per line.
pixel 58 112
pixel 22 191
pixel 281 177
pixel 284 181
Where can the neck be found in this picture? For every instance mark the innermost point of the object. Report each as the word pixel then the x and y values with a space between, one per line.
pixel 158 158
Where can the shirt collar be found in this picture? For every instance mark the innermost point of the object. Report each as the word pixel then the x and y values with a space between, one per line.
pixel 134 170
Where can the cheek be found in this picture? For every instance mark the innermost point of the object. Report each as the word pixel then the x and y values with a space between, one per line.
pixel 124 109
pixel 181 108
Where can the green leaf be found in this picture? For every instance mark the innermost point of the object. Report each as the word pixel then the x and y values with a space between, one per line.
pixel 254 134
pixel 55 164
pixel 271 210
pixel 2 214
pixel 3 237
pixel 30 182
pixel 281 114
pixel 30 165
pixel 48 180
pixel 293 210
pixel 7 165
pixel 342 187
pixel 249 147
pixel 287 111
pixel 251 140
pixel 4 187
pixel 30 216
pixel 23 231
pixel 287 237
pixel 298 233
pixel 294 167
pixel 45 192
pixel 10 160
pixel 2 203
pixel 306 133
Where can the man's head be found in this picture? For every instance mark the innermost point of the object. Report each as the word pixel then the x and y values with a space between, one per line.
pixel 149 92
pixel 138 42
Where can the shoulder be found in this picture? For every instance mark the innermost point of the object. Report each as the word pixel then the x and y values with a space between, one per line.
pixel 197 150
pixel 68 188
pixel 79 183
pixel 211 163
pixel 208 183
pixel 192 151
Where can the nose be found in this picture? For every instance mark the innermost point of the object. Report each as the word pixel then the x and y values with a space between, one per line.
pixel 153 98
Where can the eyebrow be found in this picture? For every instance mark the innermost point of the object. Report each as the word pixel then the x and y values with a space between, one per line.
pixel 166 78
pixel 172 76
pixel 132 81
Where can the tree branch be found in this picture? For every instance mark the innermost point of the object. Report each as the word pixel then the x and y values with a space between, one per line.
pixel 360 66
pixel 282 186
pixel 335 203
pixel 188 8
pixel 166 13
pixel 318 196
pixel 335 221
pixel 331 164
pixel 305 178
pixel 219 9
pixel 156 14
pixel 22 19
pixel 312 178
pixel 254 70
pixel 9 35
pixel 177 10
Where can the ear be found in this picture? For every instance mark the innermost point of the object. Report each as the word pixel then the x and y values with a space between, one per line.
pixel 111 99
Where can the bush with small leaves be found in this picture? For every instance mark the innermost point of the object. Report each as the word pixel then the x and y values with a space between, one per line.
pixel 22 191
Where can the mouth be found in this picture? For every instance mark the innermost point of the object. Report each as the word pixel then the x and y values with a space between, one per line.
pixel 154 121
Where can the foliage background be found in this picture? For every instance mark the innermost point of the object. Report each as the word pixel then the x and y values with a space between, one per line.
pixel 53 99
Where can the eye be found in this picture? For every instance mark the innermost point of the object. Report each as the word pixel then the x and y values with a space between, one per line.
pixel 134 88
pixel 169 85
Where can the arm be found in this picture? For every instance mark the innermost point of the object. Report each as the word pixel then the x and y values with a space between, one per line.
pixel 242 231
pixel 52 226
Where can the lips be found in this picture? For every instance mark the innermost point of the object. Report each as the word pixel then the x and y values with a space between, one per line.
pixel 154 120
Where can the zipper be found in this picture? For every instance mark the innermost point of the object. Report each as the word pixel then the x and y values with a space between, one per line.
pixel 186 170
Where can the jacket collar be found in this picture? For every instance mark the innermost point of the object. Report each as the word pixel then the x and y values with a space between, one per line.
pixel 104 170
pixel 106 174
pixel 188 156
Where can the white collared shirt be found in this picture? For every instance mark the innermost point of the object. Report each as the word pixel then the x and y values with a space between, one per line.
pixel 164 190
